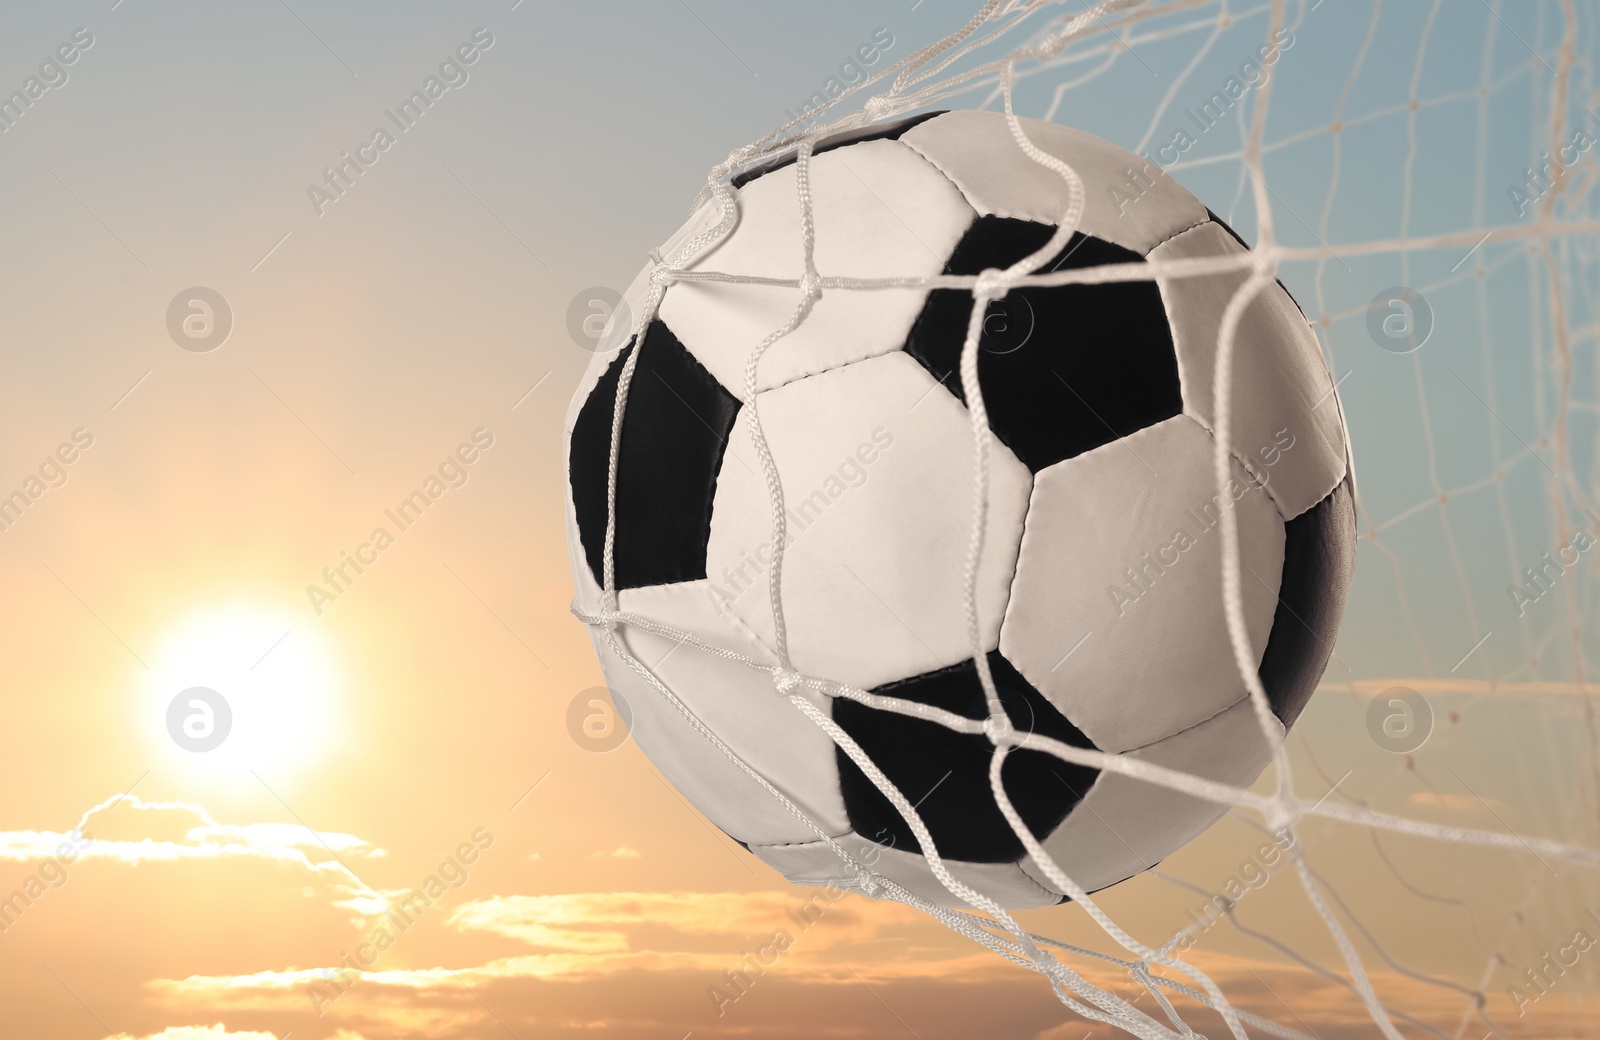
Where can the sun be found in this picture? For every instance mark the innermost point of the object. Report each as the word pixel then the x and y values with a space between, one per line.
pixel 242 689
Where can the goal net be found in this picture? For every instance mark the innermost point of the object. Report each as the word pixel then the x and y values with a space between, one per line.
pixel 1420 177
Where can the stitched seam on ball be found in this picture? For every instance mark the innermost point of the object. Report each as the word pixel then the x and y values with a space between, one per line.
pixel 1017 558
pixel 1016 572
pixel 739 624
pixel 910 327
pixel 812 844
pixel 1082 803
pixel 1264 485
pixel 976 209
pixel 738 621
pixel 899 346
pixel 1346 473
pixel 1029 878
pixel 1016 866
pixel 1185 231
pixel 1052 219
pixel 1349 476
pixel 1202 722
pixel 1193 412
pixel 582 393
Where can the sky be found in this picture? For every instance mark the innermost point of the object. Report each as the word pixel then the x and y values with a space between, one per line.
pixel 409 731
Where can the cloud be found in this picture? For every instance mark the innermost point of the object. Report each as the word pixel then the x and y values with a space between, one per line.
pixel 670 951
pixel 1479 687
pixel 1444 800
pixel 1300 1000
pixel 217 1032
pixel 574 921
pixel 808 994
pixel 595 934
pixel 129 830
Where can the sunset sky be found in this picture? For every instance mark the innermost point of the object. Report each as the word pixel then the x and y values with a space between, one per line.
pixel 405 729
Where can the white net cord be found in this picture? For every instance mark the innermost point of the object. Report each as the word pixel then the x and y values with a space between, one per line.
pixel 917 81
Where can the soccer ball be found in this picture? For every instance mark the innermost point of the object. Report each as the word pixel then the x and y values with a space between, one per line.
pixel 1100 583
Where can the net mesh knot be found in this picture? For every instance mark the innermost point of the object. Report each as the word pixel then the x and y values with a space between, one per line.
pixel 992 284
pixel 879 107
pixel 1279 814
pixel 999 730
pixel 869 886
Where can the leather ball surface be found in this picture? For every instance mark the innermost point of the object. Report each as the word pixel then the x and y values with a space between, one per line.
pixel 1099 587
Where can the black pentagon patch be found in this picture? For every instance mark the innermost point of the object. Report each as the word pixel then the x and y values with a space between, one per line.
pixel 945 774
pixel 876 132
pixel 1064 369
pixel 1319 557
pixel 674 433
